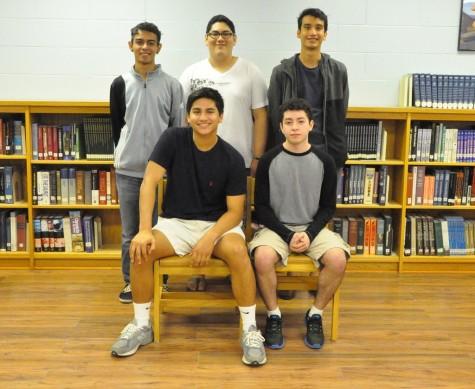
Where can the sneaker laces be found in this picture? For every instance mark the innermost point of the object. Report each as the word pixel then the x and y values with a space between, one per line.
pixel 314 324
pixel 127 289
pixel 273 326
pixel 129 330
pixel 253 339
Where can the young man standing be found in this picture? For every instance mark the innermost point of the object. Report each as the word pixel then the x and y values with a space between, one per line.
pixel 144 102
pixel 294 200
pixel 317 78
pixel 242 86
pixel 202 213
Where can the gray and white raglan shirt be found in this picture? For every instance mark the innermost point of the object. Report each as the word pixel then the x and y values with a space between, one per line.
pixel 295 189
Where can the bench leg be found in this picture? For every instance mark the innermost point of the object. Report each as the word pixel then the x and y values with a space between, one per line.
pixel 157 297
pixel 335 314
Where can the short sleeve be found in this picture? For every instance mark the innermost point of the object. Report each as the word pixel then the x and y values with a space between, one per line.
pixel 259 88
pixel 164 150
pixel 237 179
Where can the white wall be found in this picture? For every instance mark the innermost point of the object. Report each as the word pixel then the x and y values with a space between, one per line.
pixel 72 49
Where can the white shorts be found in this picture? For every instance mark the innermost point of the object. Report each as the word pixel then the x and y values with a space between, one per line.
pixel 184 234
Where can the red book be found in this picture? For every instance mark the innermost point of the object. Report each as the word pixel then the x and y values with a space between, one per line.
pixel 114 196
pixel 21 231
pixel 372 238
pixel 40 143
pixel 102 187
pixel 45 142
pixel 54 133
pixel 49 137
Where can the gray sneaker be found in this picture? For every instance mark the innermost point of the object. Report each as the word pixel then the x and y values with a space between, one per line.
pixel 131 338
pixel 252 343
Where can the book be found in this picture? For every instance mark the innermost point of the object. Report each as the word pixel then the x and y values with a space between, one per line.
pixel 77 241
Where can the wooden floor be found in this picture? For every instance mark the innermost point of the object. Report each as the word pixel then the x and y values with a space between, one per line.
pixel 397 331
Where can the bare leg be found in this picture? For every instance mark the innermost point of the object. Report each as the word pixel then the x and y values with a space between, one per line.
pixel 232 249
pixel 265 258
pixel 142 275
pixel 331 276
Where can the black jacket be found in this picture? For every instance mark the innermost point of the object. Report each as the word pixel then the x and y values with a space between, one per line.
pixel 284 86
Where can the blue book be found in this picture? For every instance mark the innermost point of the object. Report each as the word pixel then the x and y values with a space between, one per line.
pixel 17 137
pixel 88 233
pixel 428 83
pixel 416 88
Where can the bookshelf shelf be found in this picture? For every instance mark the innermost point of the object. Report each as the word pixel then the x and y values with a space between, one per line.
pixel 14 254
pixel 443 207
pixel 76 206
pixel 441 164
pixel 441 258
pixel 13 157
pixel 396 122
pixel 71 162
pixel 108 252
pixel 23 205
pixel 390 205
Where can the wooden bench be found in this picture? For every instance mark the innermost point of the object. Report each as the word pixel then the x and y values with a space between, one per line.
pixel 181 266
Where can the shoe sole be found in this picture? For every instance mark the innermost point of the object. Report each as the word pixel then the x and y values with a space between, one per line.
pixel 312 346
pixel 127 354
pixel 123 301
pixel 253 363
pixel 275 346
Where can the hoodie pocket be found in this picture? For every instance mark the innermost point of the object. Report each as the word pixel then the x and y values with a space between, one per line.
pixel 124 133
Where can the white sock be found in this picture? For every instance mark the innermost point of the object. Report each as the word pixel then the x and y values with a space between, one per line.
pixel 275 312
pixel 315 311
pixel 248 317
pixel 142 314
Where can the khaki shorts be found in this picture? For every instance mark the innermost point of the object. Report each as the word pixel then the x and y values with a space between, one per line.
pixel 184 234
pixel 324 241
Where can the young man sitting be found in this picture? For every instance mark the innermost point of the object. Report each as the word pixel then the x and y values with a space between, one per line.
pixel 294 199
pixel 202 213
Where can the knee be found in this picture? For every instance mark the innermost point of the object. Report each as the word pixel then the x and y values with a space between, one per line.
pixel 265 258
pixel 335 260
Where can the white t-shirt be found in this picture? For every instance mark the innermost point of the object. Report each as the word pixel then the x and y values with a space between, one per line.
pixel 243 88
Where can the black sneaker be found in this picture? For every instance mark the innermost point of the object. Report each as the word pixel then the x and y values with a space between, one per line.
pixel 273 335
pixel 125 295
pixel 314 337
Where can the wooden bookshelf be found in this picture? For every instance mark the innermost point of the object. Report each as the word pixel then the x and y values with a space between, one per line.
pixel 109 256
pixel 396 121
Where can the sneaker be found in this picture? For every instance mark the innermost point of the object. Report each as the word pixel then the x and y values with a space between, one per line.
pixel 125 295
pixel 252 343
pixel 273 335
pixel 314 337
pixel 131 338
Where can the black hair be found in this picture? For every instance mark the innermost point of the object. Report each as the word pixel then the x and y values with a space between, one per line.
pixel 145 26
pixel 222 19
pixel 316 13
pixel 295 104
pixel 205 93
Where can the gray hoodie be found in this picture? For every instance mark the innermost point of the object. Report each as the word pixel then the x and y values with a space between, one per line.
pixel 140 111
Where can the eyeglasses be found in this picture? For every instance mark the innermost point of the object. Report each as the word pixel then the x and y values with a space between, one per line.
pixel 216 34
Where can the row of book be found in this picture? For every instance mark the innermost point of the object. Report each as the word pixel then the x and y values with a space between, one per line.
pixel 74 186
pixel 359 184
pixel 11 184
pixel 12 137
pixel 367 235
pixel 67 233
pixel 91 139
pixel 427 186
pixel 366 139
pixel 447 235
pixel 437 143
pixel 13 231
pixel 448 91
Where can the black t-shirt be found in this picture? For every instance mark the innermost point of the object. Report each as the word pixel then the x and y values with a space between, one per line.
pixel 198 182
pixel 311 89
